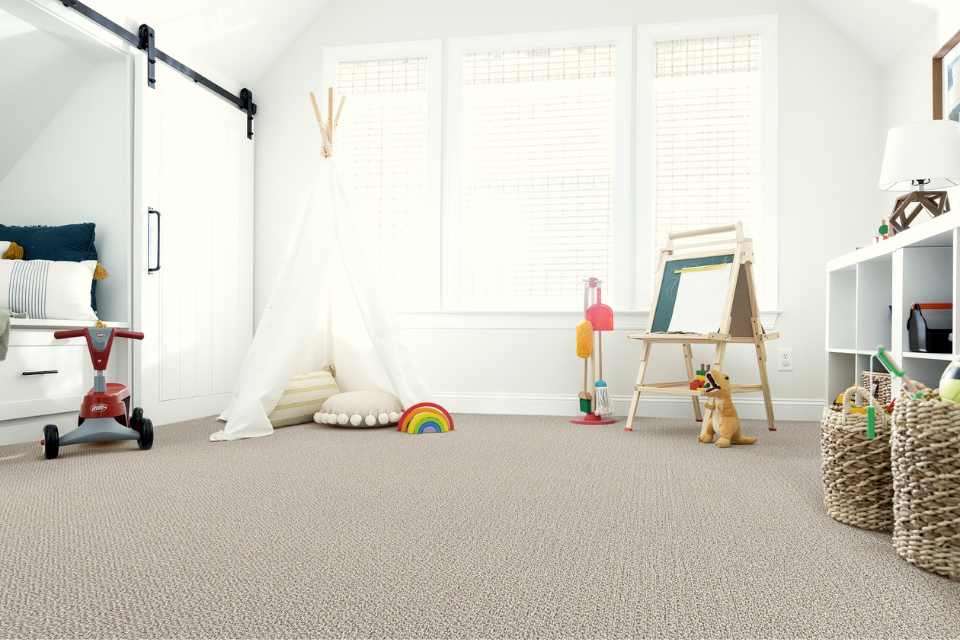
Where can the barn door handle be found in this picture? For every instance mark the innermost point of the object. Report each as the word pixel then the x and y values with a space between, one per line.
pixel 51 372
pixel 156 267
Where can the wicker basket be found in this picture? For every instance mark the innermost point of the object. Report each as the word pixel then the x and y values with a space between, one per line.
pixel 926 478
pixel 857 483
pixel 879 384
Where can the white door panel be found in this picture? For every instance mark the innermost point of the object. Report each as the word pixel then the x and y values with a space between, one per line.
pixel 197 310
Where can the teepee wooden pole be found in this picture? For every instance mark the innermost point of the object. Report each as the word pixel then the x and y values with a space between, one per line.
pixel 329 126
pixel 330 114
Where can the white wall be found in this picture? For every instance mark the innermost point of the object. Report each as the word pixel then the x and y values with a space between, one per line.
pixel 830 93
pixel 32 89
pixel 907 81
pixel 78 169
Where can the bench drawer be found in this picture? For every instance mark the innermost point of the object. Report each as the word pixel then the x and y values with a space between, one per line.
pixel 36 380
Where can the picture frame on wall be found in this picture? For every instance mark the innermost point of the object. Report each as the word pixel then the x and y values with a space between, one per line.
pixel 946 81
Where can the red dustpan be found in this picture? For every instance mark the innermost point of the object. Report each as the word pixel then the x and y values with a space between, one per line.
pixel 600 315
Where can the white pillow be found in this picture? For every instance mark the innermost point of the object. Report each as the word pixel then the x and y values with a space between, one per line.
pixel 47 290
pixel 304 396
pixel 360 409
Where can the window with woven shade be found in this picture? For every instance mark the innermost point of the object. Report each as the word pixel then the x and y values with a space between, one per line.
pixel 388 157
pixel 536 133
pixel 708 133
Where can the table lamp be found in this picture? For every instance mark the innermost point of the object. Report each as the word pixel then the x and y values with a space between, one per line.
pixel 922 159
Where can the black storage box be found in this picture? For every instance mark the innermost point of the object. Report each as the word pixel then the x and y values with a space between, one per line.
pixel 922 337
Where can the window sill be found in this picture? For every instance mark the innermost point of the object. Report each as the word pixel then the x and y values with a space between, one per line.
pixel 565 320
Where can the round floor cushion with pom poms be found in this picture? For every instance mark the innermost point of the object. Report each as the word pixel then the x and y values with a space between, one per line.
pixel 360 409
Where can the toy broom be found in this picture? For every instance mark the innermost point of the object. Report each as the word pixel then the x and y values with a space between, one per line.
pixel 585 350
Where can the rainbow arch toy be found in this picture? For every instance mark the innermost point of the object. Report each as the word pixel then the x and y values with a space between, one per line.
pixel 426 417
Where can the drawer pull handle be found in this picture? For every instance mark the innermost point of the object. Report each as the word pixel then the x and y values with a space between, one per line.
pixel 41 373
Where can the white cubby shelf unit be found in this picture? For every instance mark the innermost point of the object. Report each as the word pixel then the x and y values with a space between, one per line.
pixel 869 295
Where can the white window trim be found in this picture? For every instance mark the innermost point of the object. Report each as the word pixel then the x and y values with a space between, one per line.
pixel 621 271
pixel 433 51
pixel 767 271
pixel 634 253
pixel 626 320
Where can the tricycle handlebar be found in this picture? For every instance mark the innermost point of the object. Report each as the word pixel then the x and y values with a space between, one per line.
pixel 80 333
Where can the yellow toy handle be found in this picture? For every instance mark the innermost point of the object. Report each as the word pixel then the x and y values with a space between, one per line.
pixel 851 393
pixel 584 339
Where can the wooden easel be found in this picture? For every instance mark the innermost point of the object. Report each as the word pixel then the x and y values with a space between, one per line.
pixel 740 322
pixel 329 126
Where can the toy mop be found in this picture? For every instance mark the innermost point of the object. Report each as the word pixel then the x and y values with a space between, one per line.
pixel 598 318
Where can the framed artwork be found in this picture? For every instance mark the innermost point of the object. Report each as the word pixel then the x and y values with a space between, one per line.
pixel 946 81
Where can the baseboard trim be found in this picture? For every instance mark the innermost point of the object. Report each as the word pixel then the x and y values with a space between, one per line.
pixel 527 404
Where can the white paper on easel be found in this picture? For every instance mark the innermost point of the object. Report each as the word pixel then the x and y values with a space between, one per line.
pixel 701 299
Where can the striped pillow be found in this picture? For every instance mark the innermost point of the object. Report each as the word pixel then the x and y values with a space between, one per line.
pixel 47 290
pixel 303 397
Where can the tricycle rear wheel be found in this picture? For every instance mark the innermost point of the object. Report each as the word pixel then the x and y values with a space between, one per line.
pixel 51 442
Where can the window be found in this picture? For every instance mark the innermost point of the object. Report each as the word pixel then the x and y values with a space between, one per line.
pixel 564 156
pixel 387 150
pixel 538 135
pixel 714 133
pixel 708 133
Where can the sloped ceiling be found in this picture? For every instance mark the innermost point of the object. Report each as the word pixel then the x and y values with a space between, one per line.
pixel 240 38
pixel 39 72
pixel 11 26
pixel 883 28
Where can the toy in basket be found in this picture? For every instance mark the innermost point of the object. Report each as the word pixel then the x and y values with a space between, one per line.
pixel 950 382
pixel 598 318
pixel 857 482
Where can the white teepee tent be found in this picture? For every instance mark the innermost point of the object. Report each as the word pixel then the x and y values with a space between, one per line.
pixel 325 307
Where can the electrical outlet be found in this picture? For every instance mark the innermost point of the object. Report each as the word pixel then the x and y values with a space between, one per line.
pixel 785 360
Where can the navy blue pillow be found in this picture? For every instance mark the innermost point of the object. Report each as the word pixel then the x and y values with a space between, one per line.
pixel 68 243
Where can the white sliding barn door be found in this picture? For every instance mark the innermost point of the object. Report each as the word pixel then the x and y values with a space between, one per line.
pixel 197 309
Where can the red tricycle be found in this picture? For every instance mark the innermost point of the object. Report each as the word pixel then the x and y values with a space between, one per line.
pixel 105 414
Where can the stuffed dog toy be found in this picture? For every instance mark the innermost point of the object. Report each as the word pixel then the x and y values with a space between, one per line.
pixel 721 416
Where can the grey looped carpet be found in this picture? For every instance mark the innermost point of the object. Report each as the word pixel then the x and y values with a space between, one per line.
pixel 508 527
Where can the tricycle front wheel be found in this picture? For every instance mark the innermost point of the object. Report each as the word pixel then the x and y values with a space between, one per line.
pixel 146 434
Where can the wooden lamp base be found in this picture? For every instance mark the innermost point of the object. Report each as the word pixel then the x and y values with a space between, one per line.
pixel 935 202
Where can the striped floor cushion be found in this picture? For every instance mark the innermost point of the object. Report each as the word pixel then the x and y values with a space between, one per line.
pixel 303 397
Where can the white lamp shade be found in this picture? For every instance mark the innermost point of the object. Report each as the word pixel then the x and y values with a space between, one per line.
pixel 922 151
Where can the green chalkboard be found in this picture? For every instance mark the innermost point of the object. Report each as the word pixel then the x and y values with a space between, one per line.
pixel 671 284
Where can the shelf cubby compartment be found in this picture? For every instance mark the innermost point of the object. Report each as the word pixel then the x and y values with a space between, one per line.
pixel 924 369
pixel 842 373
pixel 874 304
pixel 841 324
pixel 927 277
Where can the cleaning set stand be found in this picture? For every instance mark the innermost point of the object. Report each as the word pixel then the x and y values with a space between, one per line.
pixel 597 318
